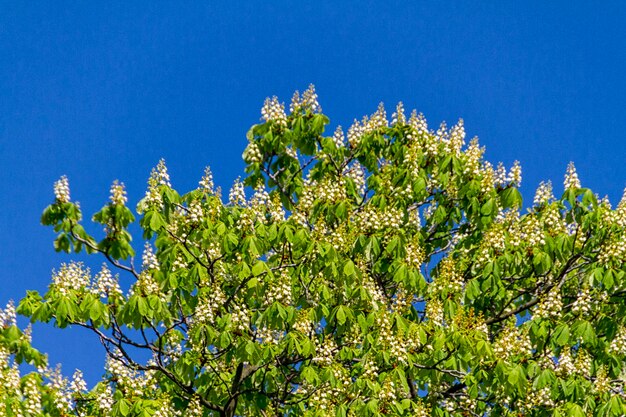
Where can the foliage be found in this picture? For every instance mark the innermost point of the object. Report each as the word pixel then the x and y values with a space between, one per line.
pixel 387 273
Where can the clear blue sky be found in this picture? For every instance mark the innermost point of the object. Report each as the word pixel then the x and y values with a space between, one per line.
pixel 102 92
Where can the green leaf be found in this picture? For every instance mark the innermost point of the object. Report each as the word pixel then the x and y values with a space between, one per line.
pixel 341 315
pixel 510 198
pixel 258 268
pixel 348 268
pixel 561 334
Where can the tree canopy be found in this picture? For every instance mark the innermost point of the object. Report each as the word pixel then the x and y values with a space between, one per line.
pixel 389 270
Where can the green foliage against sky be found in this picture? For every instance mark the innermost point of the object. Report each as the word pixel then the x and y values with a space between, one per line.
pixel 387 271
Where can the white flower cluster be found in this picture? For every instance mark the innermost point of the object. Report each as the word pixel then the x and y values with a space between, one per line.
pixel 104 400
pixel 149 260
pixel 546 360
pixel 72 276
pixel 269 336
pixel 472 157
pixel 551 306
pixel 456 139
pixel 434 311
pixel 468 404
pixel 4 357
pixel 206 182
pixel 369 218
pixel 583 303
pixel 252 154
pixel 237 195
pixel 163 178
pixel 325 352
pixel 602 382
pixel 449 405
pixel 544 194
pixel 338 137
pixel 207 307
pixel 392 217
pixel 274 111
pixel 418 124
pixel 240 317
pixel 515 174
pixel 62 190
pixel 367 125
pixel 566 365
pixel 304 325
pixel 195 213
pixel 146 285
pixel 392 342
pixel 614 249
pixel 357 174
pixel 158 177
pixel 372 289
pixel 414 254
pixel 403 191
pixel 194 408
pixel 7 316
pixel 432 143
pixel 488 178
pixel 414 218
pixel 10 379
pixel 331 191
pixel 398 118
pixel 512 343
pixel 618 344
pixel 180 262
pixel 356 132
pixel 388 392
pixel 247 218
pixel 118 194
pixel 379 118
pixel 321 398
pixel 412 159
pixel 32 394
pixel 260 199
pixel 493 244
pixel 62 391
pixel 421 410
pixel 167 409
pixel 370 369
pixel 538 398
pixel 275 207
pixel 279 290
pixel 308 101
pixel 105 284
pixel 532 231
pixel 500 177
pixel 448 280
pixel 571 177
pixel 78 383
pixel 582 363
pixel 553 220
pixel 134 382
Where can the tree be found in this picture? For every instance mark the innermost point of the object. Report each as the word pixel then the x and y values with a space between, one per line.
pixel 391 273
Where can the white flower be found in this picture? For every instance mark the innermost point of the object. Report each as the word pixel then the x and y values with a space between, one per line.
pixel 571 177
pixel 149 259
pixel 237 194
pixel 72 276
pixel 274 111
pixel 62 190
pixel 118 193
pixel 206 183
